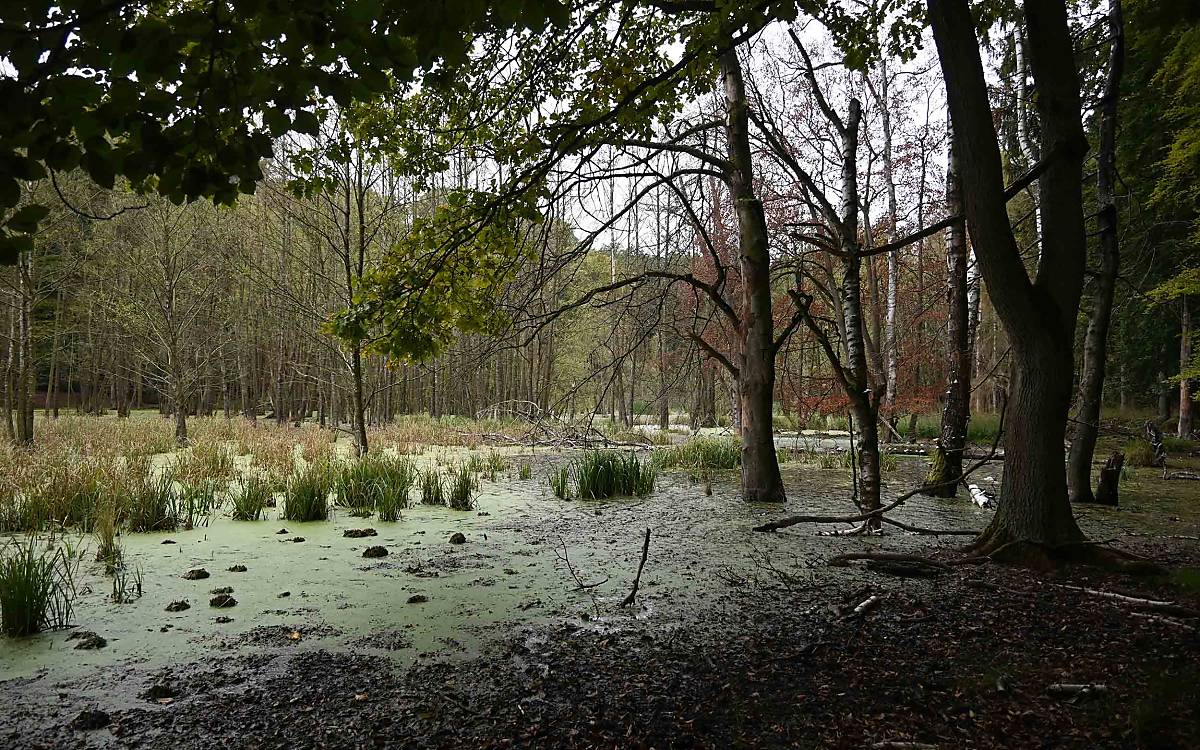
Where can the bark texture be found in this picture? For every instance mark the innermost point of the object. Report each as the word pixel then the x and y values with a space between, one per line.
pixel 1039 316
pixel 1095 343
pixel 761 481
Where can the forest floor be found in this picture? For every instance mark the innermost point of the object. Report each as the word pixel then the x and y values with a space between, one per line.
pixel 736 639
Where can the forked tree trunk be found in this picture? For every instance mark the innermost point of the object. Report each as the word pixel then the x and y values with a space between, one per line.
pixel 946 468
pixel 1038 316
pixel 761 480
pixel 1095 344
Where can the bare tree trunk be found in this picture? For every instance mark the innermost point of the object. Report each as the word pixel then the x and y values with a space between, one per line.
pixel 664 409
pixel 942 480
pixel 360 412
pixel 25 379
pixel 51 404
pixel 1184 427
pixel 1095 343
pixel 761 481
pixel 9 367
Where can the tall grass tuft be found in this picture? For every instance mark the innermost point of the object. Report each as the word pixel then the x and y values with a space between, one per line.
pixel 462 485
pixel 197 501
pixel 601 474
pixel 36 588
pixel 206 461
pixel 376 482
pixel 108 549
pixel 493 465
pixel 525 472
pixel 254 498
pixel 150 504
pixel 432 489
pixel 702 454
pixel 560 481
pixel 307 495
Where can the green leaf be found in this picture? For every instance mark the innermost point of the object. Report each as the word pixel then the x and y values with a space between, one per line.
pixel 27 217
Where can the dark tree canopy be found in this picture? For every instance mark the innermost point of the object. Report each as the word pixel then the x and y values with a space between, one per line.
pixel 184 97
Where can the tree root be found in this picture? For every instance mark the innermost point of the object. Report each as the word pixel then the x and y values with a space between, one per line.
pixel 993 546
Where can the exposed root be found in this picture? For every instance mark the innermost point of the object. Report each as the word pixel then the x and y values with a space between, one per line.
pixel 997 546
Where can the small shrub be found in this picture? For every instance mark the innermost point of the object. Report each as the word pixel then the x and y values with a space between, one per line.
pixel 1179 445
pixel 432 490
pixel 462 486
pixel 36 589
pixel 307 495
pixel 253 499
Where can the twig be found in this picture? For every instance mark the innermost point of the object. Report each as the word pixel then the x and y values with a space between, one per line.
pixel 637 580
pixel 579 584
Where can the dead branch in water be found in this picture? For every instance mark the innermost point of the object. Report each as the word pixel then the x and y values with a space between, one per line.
pixel 637 581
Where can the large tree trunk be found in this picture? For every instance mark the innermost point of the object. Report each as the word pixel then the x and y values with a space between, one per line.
pixel 1039 317
pixel 946 468
pixel 1095 344
pixel 756 361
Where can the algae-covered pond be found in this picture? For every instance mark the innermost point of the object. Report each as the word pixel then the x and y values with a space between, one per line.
pixel 311 587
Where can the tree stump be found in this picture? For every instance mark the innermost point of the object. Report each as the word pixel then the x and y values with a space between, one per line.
pixel 1110 478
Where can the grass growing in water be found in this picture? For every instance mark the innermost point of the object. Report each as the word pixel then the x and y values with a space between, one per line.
pixel 706 454
pixel 601 474
pixel 307 495
pixel 108 549
pixel 525 472
pixel 377 482
pixel 36 589
pixel 150 504
pixel 560 481
pixel 432 490
pixel 197 501
pixel 254 498
pixel 462 485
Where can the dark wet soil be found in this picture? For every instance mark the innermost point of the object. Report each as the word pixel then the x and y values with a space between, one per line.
pixel 964 660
